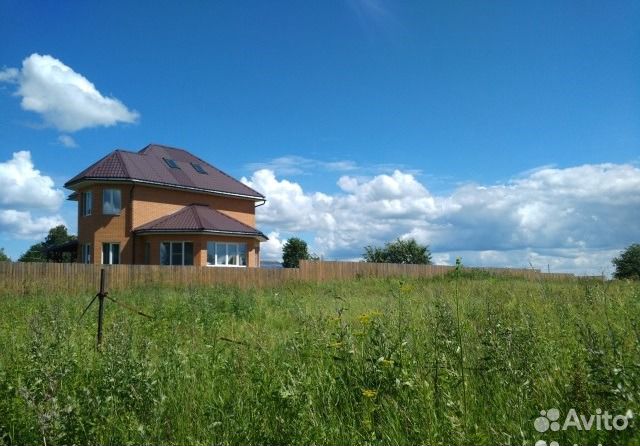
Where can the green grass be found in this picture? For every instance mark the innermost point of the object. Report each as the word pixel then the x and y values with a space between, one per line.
pixel 451 361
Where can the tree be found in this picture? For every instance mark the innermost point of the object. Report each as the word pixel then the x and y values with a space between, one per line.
pixel 4 257
pixel 628 264
pixel 38 252
pixel 293 251
pixel 399 251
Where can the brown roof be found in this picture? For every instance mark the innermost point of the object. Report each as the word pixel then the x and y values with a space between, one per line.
pixel 149 166
pixel 200 218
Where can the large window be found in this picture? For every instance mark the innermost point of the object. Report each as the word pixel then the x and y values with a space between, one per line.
pixel 87 203
pixel 110 253
pixel 86 252
pixel 176 253
pixel 111 202
pixel 226 254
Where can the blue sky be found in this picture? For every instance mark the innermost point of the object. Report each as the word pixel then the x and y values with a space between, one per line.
pixel 499 106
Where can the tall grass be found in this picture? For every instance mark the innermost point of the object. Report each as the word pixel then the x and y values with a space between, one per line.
pixel 457 360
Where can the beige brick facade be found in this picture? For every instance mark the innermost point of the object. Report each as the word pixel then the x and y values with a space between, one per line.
pixel 142 204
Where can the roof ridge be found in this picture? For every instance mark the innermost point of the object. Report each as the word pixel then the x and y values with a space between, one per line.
pixel 196 215
pixel 122 163
pixel 153 144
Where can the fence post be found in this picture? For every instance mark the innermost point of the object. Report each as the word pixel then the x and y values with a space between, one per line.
pixel 101 295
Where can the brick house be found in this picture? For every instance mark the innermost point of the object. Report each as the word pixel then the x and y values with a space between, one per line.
pixel 164 206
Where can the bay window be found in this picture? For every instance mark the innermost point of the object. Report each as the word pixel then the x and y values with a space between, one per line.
pixel 176 253
pixel 226 254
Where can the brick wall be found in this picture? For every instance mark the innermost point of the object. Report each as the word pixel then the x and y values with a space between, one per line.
pixel 150 203
pixel 141 204
pixel 98 228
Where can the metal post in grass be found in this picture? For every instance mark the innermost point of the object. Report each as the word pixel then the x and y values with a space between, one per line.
pixel 101 295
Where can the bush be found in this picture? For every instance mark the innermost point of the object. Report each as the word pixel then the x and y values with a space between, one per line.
pixel 400 251
pixel 293 251
pixel 628 264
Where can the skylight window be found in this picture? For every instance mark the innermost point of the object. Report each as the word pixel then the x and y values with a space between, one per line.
pixel 171 163
pixel 199 168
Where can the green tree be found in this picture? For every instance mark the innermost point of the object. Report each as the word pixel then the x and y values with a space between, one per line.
pixel 293 251
pixel 39 251
pixel 3 256
pixel 400 251
pixel 628 264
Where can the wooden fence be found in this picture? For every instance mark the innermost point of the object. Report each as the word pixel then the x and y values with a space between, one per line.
pixel 77 277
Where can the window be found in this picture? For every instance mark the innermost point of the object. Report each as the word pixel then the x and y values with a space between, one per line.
pixel 110 253
pixel 226 254
pixel 86 253
pixel 87 203
pixel 199 168
pixel 171 163
pixel 111 202
pixel 176 253
pixel 147 253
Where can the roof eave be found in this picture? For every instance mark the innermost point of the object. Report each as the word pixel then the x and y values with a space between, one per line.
pixel 259 235
pixel 69 185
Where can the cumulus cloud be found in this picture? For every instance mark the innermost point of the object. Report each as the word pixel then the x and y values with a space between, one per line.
pixel 25 187
pixel 21 224
pixel 571 218
pixel 25 190
pixel 64 98
pixel 272 248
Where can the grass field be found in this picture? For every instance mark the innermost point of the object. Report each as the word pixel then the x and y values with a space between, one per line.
pixel 467 360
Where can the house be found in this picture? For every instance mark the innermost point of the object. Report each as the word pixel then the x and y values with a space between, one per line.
pixel 164 206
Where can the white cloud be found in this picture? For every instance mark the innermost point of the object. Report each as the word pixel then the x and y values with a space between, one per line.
pixel 26 190
pixel 272 248
pixel 294 165
pixel 571 218
pixel 24 187
pixel 67 141
pixel 66 100
pixel 21 224
pixel 9 75
pixel 298 165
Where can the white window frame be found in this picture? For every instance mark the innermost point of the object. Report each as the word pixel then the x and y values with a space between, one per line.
pixel 86 253
pixel 111 244
pixel 226 253
pixel 182 242
pixel 87 203
pixel 110 193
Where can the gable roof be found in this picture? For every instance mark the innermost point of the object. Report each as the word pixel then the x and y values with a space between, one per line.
pixel 199 218
pixel 149 166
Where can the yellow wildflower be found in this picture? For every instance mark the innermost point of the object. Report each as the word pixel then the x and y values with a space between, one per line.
pixel 406 288
pixel 369 393
pixel 366 318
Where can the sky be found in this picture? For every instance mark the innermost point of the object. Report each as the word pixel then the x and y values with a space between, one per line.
pixel 507 133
